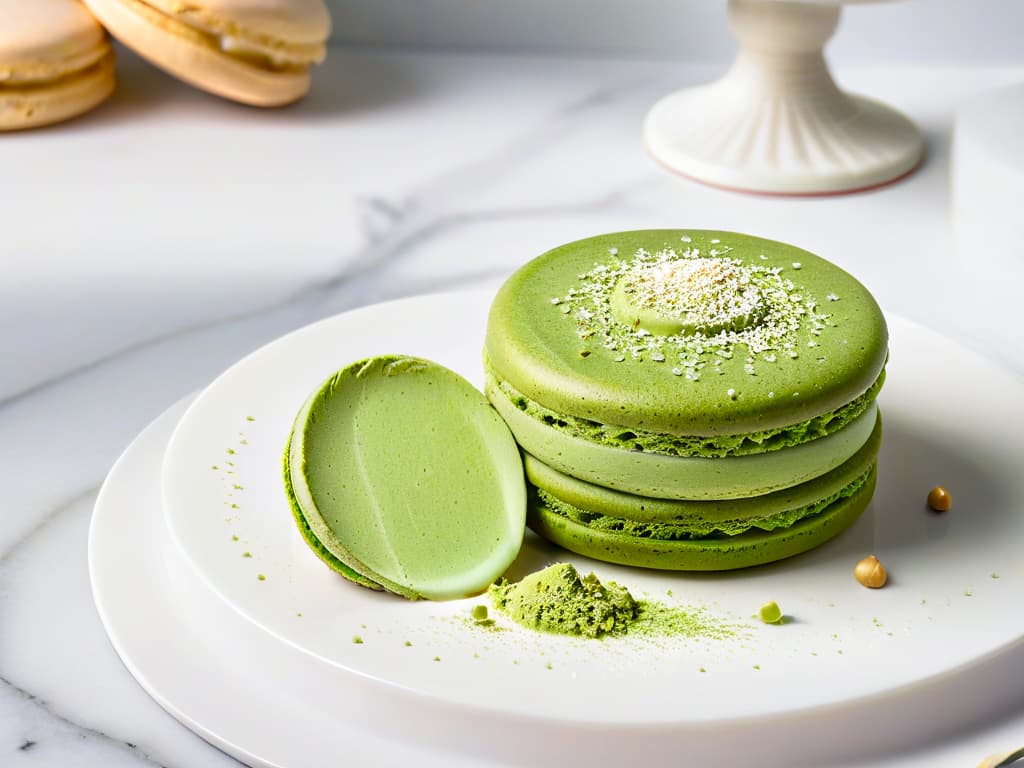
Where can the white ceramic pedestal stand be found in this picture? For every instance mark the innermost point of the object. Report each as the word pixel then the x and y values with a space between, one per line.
pixel 777 122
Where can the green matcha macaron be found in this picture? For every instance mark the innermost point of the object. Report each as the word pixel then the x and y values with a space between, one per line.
pixel 402 477
pixel 709 375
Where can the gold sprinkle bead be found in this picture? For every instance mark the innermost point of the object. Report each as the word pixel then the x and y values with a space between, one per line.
pixel 939 499
pixel 871 573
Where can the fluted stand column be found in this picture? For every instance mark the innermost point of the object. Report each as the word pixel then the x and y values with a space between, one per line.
pixel 777 122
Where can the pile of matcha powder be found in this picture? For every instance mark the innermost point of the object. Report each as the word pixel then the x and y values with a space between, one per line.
pixel 559 600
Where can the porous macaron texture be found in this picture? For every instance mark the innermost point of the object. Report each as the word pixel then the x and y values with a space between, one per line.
pixel 55 62
pixel 256 52
pixel 604 507
pixel 755 547
pixel 403 473
pixel 541 341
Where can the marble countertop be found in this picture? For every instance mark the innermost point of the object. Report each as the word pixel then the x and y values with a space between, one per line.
pixel 150 245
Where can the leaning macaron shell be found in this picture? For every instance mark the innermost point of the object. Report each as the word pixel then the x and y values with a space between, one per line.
pixel 203 58
pixel 302 22
pixel 403 472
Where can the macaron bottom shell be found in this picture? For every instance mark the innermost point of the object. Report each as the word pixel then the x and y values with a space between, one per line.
pixel 195 57
pixel 32 105
pixel 755 547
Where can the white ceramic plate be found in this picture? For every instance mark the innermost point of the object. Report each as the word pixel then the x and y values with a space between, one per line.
pixel 950 417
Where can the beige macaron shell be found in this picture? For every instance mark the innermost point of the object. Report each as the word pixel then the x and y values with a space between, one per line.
pixel 298 22
pixel 31 106
pixel 190 55
pixel 47 39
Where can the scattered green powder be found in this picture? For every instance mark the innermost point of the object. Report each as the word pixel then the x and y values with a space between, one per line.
pixel 437 658
pixel 231 452
pixel 234 538
pixel 247 554
pixel 702 669
pixel 261 577
pixel 558 600
pixel 215 467
pixel 243 441
pixel 968 593
pixel 249 418
pixel 357 639
pixel 408 644
pixel 995 575
pixel 237 487
pixel 234 506
pixel 299 614
pixel 757 666
pixel 548 666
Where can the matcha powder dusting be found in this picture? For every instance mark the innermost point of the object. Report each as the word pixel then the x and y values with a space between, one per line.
pixel 559 600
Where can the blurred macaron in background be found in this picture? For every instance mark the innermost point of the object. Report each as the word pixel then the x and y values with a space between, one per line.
pixel 56 62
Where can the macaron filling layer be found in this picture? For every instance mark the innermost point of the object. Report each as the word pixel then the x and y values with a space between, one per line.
pixel 253 49
pixel 708 446
pixel 754 547
pixel 689 519
pixel 684 477
pixel 400 471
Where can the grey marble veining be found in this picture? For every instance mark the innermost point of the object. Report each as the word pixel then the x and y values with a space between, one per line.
pixel 517 155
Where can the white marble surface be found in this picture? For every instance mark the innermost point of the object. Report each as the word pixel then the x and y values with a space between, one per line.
pixel 150 245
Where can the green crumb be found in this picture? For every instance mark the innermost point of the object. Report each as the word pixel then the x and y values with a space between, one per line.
pixel 516 662
pixel 476 655
pixel 994 575
pixel 235 506
pixel 357 639
pixel 548 666
pixel 362 626
pixel 668 592
pixel 247 554
pixel 437 658
pixel 479 613
pixel 234 538
pixel 298 615
pixel 231 452
pixel 237 487
pixel 814 653
pixel 230 464
pixel 771 613
pixel 839 651
pixel 249 418
pixel 243 441
pixel 215 467
pixel 408 644
pixel 261 577
pixel 558 600
pixel 757 666
pixel 702 670
pixel 968 592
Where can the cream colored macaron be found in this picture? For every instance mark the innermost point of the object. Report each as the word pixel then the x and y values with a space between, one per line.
pixel 257 52
pixel 55 62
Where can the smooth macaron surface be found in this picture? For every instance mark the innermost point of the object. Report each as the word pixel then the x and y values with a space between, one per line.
pixel 257 52
pixel 404 473
pixel 55 62
pixel 798 337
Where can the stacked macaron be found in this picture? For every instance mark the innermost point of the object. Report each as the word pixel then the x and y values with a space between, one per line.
pixel 689 400
pixel 55 62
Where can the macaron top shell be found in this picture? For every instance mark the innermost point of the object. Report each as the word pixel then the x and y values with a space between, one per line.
pixel 797 338
pixel 47 39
